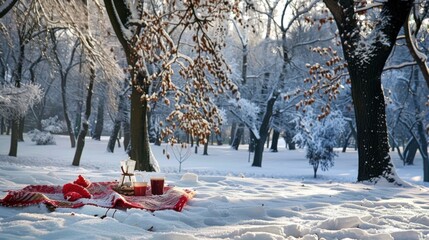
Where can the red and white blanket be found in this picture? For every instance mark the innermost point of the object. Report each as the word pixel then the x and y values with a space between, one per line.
pixel 102 194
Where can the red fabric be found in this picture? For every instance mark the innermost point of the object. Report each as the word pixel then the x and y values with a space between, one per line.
pixel 72 196
pixel 71 187
pixel 82 181
pixel 102 195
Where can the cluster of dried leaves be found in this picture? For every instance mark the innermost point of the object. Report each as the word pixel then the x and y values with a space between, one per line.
pixel 179 56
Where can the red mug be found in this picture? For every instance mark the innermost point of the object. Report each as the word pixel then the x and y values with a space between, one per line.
pixel 157 185
pixel 140 188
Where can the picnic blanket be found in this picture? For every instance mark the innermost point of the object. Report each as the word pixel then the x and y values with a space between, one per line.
pixel 101 194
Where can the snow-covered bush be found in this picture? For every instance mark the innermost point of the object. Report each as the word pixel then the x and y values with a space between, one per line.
pixel 53 125
pixel 41 138
pixel 319 137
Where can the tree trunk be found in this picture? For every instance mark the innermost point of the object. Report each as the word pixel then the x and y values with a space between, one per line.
pixel 292 145
pixel 126 129
pixel 275 141
pixel 253 141
pixel 237 136
pixel 21 129
pixel 219 139
pixel 365 65
pixel 373 148
pixel 346 142
pixel 421 135
pixel 77 119
pixel 151 126
pixel 114 136
pixel 117 124
pixel 315 168
pixel 268 139
pixel 9 127
pixel 263 131
pixel 206 146
pixel 289 142
pixel 66 114
pixel 14 138
pixel 100 120
pixel 410 151
pixel 2 126
pixel 351 134
pixel 232 134
pixel 259 149
pixel 85 123
pixel 140 148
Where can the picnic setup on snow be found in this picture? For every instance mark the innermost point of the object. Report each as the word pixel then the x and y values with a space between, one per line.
pixel 122 194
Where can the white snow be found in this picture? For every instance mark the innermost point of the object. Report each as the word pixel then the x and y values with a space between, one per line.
pixel 281 200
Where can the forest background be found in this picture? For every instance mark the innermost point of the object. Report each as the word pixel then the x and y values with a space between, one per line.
pixel 219 73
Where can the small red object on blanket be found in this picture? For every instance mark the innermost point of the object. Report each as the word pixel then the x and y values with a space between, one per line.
pixel 102 195
pixel 82 181
pixel 72 196
pixel 71 187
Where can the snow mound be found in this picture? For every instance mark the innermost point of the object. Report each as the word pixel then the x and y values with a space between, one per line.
pixel 189 178
pixel 341 223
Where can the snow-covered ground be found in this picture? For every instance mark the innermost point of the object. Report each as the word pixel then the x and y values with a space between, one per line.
pixel 281 200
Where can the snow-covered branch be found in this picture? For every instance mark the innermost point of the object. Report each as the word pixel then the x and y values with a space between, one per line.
pixel 15 102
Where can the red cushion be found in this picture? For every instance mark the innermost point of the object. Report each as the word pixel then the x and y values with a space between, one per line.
pixel 71 187
pixel 72 196
pixel 82 181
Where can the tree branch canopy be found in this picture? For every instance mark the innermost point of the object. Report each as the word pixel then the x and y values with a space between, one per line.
pixel 118 13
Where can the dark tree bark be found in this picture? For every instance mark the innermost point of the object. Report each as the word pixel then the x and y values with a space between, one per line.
pixel 290 144
pixel 410 151
pixel 6 7
pixel 66 114
pixel 365 68
pixel 238 135
pixel 116 128
pixel 206 146
pixel 13 151
pixel 346 142
pixel 85 124
pixel 17 75
pixel 232 133
pixel 252 141
pixel 2 126
pixel 315 168
pixel 21 129
pixel 275 142
pixel 421 135
pixel 140 151
pixel 140 148
pixel 114 136
pixel 219 140
pixel 100 120
pixel 122 111
pixel 126 130
pixel 9 127
pixel 351 134
pixel 263 131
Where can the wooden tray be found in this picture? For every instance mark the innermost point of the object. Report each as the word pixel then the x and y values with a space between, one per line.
pixel 124 190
